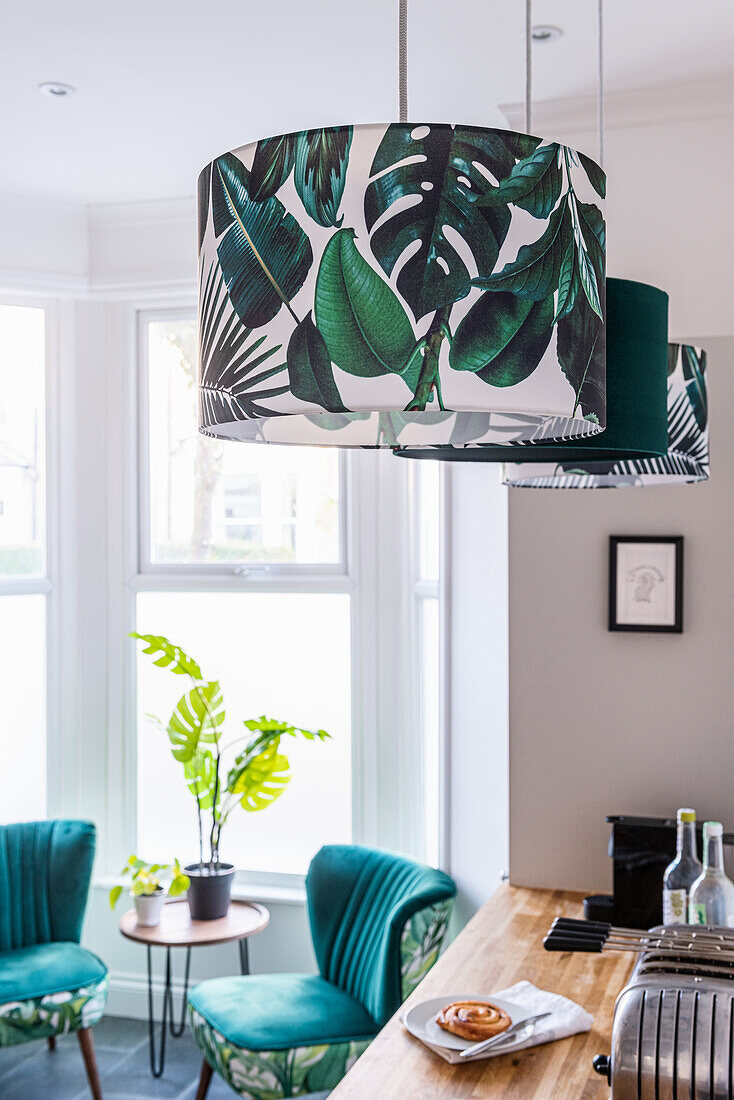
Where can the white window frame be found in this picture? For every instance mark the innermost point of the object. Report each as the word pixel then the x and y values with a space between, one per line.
pixel 437 589
pixel 146 566
pixel 46 584
pixel 374 570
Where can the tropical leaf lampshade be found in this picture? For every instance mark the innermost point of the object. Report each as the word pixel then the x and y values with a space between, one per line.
pixel 687 456
pixel 402 285
pixel 636 390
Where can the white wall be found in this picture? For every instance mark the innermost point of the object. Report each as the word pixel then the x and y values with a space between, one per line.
pixel 42 242
pixel 478 621
pixel 669 158
pixel 623 723
pixel 285 945
pixel 615 722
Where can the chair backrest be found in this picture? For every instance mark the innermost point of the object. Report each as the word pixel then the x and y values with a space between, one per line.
pixel 45 869
pixel 363 905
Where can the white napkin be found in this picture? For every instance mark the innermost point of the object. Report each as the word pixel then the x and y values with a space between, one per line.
pixel 567 1018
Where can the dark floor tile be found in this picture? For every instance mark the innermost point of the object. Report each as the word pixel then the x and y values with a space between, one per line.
pixel 10 1057
pixel 31 1072
pixel 119 1033
pixel 217 1090
pixel 57 1075
pixel 132 1078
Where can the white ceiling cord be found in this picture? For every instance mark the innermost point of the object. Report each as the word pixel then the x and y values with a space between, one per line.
pixel 403 60
pixel 528 64
pixel 403 68
pixel 600 83
pixel 600 72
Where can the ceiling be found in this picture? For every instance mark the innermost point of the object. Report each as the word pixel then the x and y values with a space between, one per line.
pixel 163 86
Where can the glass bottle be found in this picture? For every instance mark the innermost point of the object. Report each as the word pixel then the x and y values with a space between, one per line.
pixel 712 894
pixel 682 872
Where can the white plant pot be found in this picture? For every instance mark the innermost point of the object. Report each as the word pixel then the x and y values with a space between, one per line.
pixel 148 909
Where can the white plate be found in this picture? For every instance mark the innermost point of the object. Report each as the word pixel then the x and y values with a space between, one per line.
pixel 421 1019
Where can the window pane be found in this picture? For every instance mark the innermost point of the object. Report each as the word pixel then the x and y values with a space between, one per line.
pixel 430 679
pixel 228 502
pixel 428 521
pixel 286 656
pixel 22 372
pixel 23 685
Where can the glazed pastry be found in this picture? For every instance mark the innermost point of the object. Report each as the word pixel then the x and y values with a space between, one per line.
pixel 475 1020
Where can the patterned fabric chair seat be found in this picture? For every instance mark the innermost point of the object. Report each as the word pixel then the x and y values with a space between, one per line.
pixel 273 1033
pixel 377 923
pixel 49 989
pixel 49 985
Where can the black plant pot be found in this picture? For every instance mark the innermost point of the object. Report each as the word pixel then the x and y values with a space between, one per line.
pixel 211 886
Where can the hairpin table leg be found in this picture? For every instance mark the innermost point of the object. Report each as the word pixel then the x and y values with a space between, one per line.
pixel 158 1059
pixel 244 956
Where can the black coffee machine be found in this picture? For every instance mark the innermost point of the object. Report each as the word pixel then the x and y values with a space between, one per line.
pixel 641 848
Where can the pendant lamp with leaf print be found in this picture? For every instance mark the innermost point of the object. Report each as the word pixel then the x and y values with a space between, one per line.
pixel 636 390
pixel 409 284
pixel 686 459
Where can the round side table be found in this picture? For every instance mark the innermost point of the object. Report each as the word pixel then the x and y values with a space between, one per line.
pixel 177 929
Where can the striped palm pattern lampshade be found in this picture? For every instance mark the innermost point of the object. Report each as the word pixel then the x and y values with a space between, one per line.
pixel 402 285
pixel 687 457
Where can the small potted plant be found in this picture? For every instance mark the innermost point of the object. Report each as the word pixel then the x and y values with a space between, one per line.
pixel 249 772
pixel 147 890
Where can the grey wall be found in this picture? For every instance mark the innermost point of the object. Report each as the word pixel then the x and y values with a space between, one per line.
pixel 611 722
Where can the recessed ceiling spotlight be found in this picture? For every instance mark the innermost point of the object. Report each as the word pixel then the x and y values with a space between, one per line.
pixel 545 33
pixel 56 90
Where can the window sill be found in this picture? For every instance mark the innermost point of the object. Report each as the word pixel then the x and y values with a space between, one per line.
pixel 285 895
pixel 264 892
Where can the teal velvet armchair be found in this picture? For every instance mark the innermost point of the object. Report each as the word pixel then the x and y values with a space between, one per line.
pixel 377 924
pixel 48 983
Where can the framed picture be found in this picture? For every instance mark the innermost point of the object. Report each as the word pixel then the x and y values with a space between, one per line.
pixel 646 583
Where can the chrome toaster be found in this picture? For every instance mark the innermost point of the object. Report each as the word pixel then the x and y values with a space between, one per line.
pixel 673 1031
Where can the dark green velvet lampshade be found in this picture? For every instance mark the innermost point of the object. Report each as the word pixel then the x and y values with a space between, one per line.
pixel 637 394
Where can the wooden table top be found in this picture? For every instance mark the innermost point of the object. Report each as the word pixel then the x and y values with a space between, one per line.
pixel 177 929
pixel 502 944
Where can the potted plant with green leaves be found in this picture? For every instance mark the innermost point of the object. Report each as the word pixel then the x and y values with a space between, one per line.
pixel 147 889
pixel 249 771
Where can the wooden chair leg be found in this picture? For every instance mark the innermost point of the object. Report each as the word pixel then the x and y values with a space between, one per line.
pixel 51 1042
pixel 205 1080
pixel 86 1042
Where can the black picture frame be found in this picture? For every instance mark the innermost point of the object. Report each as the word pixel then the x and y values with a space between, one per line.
pixel 615 612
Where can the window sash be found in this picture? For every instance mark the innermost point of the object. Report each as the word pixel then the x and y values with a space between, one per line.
pixel 44 583
pixel 41 581
pixel 146 565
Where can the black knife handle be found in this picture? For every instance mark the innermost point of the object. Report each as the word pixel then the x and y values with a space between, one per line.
pixel 561 942
pixel 569 925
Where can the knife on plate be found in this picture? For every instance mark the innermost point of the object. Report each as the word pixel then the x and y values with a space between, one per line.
pixel 487 1044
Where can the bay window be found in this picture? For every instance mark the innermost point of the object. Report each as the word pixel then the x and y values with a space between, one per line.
pixel 24 584
pixel 306 580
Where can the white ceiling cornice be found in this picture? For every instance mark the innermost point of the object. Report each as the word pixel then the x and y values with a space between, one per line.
pixel 157 212
pixel 630 109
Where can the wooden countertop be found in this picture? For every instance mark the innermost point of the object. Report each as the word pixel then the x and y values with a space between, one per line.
pixel 502 944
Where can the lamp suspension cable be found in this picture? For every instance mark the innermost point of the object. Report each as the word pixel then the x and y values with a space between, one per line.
pixel 528 64
pixel 403 60
pixel 600 83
